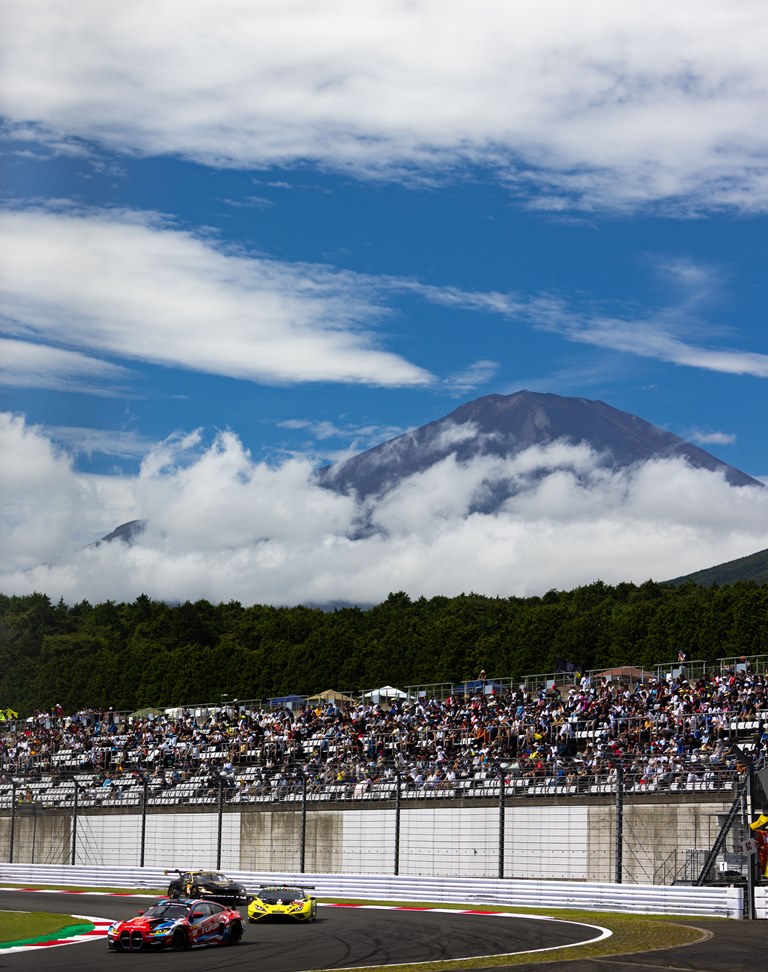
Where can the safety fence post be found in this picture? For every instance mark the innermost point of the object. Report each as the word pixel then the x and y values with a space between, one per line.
pixel 221 823
pixel 397 821
pixel 74 824
pixel 303 848
pixel 619 822
pixel 144 799
pixel 502 820
pixel 13 820
pixel 748 812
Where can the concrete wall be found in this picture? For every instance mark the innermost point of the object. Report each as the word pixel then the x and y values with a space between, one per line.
pixel 39 836
pixel 542 839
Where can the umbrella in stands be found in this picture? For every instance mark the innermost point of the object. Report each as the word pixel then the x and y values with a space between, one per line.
pixel 385 693
pixel 331 695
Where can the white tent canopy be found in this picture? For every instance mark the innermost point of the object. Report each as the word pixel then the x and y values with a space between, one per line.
pixel 385 692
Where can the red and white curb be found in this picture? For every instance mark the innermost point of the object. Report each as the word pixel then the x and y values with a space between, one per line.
pixel 99 931
pixel 102 894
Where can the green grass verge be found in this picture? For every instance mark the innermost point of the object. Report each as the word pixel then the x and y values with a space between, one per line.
pixel 17 926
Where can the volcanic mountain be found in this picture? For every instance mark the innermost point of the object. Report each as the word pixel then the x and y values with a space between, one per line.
pixel 504 426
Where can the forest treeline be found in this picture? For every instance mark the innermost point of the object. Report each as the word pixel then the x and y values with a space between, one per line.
pixel 147 652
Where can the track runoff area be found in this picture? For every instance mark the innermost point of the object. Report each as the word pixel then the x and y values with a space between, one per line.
pixel 344 936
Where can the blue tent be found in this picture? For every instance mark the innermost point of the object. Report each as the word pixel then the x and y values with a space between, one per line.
pixel 286 702
pixel 477 687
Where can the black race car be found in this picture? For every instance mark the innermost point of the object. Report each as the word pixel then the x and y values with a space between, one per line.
pixel 208 885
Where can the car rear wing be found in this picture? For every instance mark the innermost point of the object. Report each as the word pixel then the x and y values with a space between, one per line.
pixel 289 887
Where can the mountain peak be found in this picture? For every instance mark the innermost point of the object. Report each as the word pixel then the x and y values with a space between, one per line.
pixel 505 425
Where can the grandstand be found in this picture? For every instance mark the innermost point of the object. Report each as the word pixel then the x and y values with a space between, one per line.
pixel 666 736
pixel 668 732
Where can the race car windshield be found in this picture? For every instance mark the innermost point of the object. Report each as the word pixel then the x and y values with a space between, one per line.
pixel 275 895
pixel 166 910
pixel 213 877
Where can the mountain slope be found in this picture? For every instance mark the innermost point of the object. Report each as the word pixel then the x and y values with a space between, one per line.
pixel 751 568
pixel 505 425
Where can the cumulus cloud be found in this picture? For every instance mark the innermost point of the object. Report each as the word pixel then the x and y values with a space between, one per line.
pixel 124 284
pixel 597 103
pixel 222 526
pixel 45 505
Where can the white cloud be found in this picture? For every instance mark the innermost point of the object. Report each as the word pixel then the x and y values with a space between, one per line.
pixel 652 338
pixel 45 507
pixel 611 104
pixel 660 335
pixel 80 287
pixel 121 444
pixel 357 438
pixel 711 438
pixel 223 526
pixel 23 364
pixel 452 434
pixel 477 374
pixel 123 284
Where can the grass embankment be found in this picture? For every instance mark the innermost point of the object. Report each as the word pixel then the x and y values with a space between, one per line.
pixel 22 926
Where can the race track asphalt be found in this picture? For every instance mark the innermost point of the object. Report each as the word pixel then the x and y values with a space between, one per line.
pixel 346 938
pixel 729 946
pixel 340 938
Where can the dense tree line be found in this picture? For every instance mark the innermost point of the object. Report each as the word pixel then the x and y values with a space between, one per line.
pixel 151 653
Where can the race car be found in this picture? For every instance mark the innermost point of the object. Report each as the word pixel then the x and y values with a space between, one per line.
pixel 209 885
pixel 278 901
pixel 177 923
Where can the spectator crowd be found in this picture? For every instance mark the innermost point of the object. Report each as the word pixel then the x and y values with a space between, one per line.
pixel 660 733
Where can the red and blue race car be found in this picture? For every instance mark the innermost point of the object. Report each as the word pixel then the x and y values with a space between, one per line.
pixel 177 924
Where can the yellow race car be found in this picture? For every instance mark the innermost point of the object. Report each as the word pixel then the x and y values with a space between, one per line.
pixel 283 901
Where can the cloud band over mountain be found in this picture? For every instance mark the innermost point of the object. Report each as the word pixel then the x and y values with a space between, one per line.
pixel 222 526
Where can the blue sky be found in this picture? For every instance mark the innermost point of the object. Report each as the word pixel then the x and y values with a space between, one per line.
pixel 259 236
